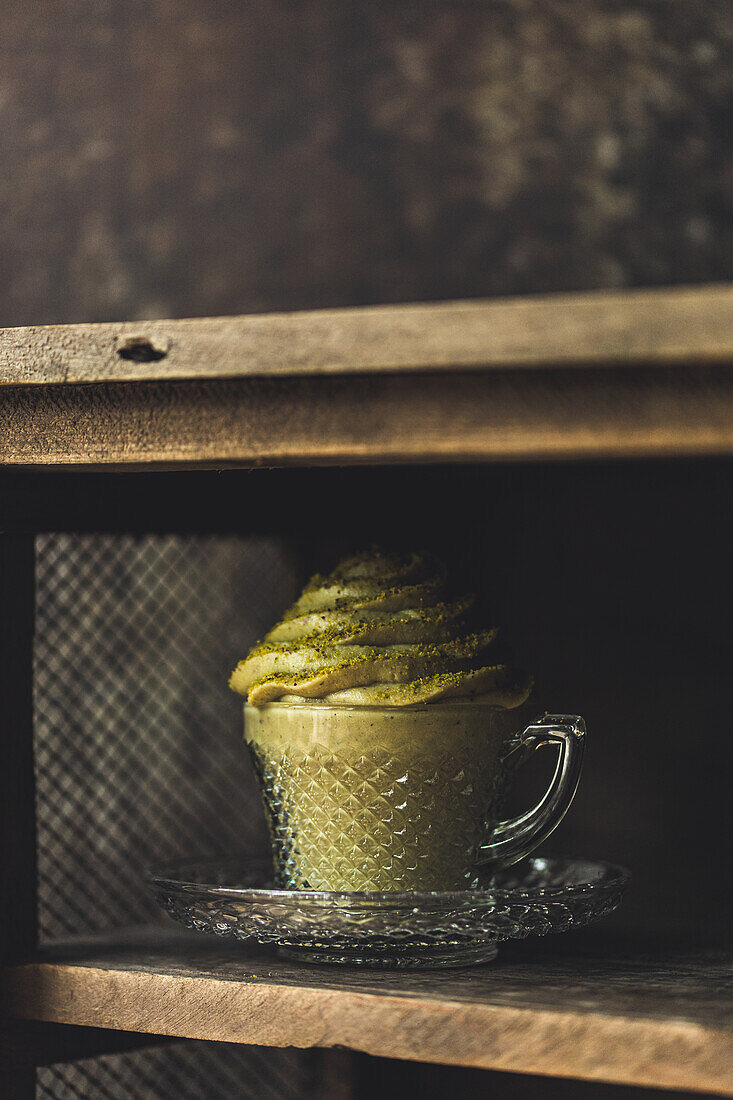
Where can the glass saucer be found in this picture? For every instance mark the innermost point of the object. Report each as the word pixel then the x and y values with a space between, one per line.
pixel 231 897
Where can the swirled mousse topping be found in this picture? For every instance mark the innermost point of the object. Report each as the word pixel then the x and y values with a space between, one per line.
pixel 378 630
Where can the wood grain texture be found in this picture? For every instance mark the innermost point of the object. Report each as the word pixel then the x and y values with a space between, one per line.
pixel 651 326
pixel 657 1020
pixel 473 416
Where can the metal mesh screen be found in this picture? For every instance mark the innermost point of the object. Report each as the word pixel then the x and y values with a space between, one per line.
pixel 185 1071
pixel 137 737
pixel 139 760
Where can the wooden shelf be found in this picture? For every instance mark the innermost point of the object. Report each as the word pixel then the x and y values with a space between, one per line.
pixel 581 1006
pixel 641 373
pixel 680 324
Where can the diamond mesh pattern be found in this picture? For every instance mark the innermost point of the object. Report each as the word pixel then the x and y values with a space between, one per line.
pixel 139 757
pixel 138 745
pixel 410 823
pixel 187 1071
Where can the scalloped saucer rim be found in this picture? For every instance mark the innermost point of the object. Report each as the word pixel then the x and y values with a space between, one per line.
pixel 168 875
pixel 177 876
pixel 394 930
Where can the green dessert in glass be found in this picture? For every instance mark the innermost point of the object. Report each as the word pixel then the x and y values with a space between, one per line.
pixel 379 724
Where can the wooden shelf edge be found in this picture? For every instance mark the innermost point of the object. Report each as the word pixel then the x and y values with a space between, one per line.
pixel 465 416
pixel 674 1055
pixel 458 1020
pixel 653 326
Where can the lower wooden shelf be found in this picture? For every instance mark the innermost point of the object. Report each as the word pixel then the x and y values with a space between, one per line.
pixel 581 1006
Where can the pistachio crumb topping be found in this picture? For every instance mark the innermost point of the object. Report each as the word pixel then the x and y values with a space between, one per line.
pixel 378 629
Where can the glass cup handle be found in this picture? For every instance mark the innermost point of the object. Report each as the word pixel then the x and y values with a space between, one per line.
pixel 511 840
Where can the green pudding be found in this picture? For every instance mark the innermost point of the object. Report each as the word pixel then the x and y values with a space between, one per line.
pixel 375 714
pixel 377 798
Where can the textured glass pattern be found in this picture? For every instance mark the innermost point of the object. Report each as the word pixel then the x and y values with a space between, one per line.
pixel 187 1070
pixel 376 821
pixel 538 896
pixel 371 798
pixel 138 744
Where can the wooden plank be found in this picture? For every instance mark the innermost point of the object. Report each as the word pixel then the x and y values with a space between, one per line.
pixel 18 1081
pixel 465 416
pixel 642 326
pixel 18 886
pixel 18 917
pixel 596 1013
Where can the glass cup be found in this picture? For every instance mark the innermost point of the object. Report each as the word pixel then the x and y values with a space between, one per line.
pixel 400 799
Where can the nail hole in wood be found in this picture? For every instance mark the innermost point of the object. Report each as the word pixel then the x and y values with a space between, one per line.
pixel 138 349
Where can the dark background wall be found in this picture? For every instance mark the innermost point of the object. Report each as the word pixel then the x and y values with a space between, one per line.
pixel 191 157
